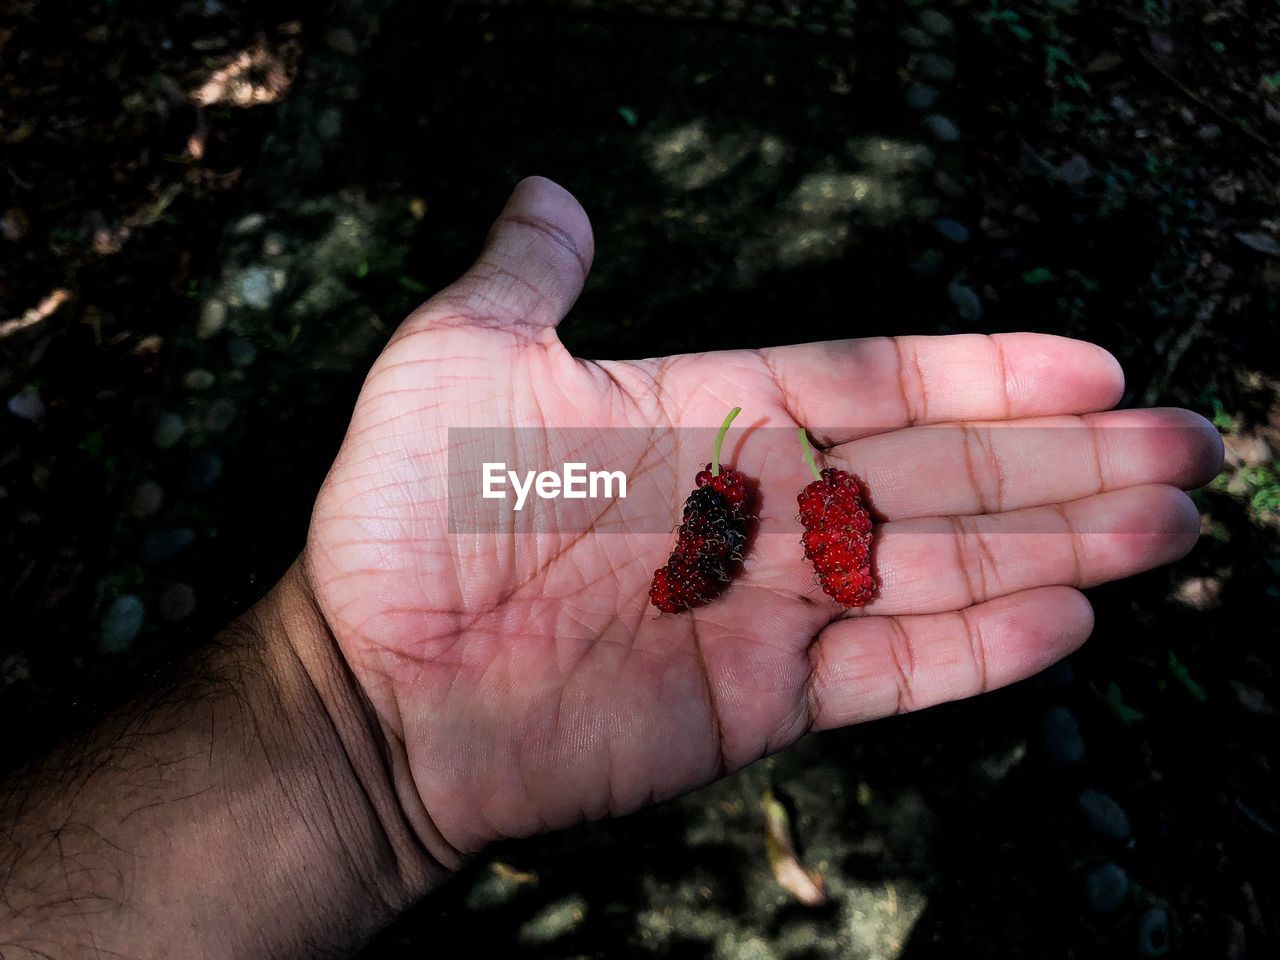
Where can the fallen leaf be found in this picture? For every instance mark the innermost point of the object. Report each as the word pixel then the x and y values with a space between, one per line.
pixel 1184 677
pixel 802 883
pixel 148 346
pixel 1104 63
pixel 1246 451
pixel 1115 700
pixel 24 130
pixel 512 875
pixel 42 311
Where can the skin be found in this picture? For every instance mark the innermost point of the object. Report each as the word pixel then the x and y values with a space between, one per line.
pixel 407 695
pixel 533 689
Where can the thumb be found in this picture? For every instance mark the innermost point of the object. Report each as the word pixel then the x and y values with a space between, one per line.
pixel 533 265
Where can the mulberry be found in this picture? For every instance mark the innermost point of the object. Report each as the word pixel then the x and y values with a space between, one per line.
pixel 837 533
pixel 711 539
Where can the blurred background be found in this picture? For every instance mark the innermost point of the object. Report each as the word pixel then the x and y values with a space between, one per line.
pixel 213 213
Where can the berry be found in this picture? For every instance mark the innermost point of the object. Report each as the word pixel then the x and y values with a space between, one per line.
pixel 711 539
pixel 728 482
pixel 677 586
pixel 837 533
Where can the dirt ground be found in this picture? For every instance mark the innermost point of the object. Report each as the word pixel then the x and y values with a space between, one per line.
pixel 211 217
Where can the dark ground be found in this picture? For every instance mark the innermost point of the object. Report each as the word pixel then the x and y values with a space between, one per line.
pixel 757 173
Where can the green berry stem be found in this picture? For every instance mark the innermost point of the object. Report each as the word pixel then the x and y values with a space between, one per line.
pixel 808 455
pixel 724 428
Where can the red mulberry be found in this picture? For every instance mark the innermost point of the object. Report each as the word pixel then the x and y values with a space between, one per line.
pixel 837 533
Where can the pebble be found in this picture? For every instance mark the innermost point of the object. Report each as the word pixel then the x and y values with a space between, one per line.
pixel 220 415
pixel 273 245
pixel 1154 938
pixel 27 405
pixel 198 380
pixel 1259 241
pixel 121 623
pixel 147 500
pixel 934 66
pixel 1161 42
pixel 204 470
pixel 937 23
pixel 213 319
pixel 241 351
pixel 342 41
pixel 1123 108
pixel 14 669
pixel 1063 742
pixel 948 186
pixel 966 301
pixel 14 224
pixel 1107 888
pixel 553 922
pixel 928 264
pixel 952 230
pixel 1250 698
pixel 941 128
pixel 170 428
pixel 1074 171
pixel 257 287
pixel 1104 815
pixel 920 155
pixel 167 543
pixel 177 602
pixel 329 124
pixel 922 206
pixel 1062 674
pixel 249 223
pixel 915 37
pixel 921 96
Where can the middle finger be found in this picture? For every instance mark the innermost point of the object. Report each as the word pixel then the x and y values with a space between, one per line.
pixel 990 467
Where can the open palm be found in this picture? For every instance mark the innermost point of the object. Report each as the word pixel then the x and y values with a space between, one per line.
pixel 522 679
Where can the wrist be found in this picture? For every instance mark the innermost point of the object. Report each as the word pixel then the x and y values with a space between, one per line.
pixel 360 785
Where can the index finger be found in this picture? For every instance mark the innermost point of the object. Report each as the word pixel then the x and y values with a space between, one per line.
pixel 845 389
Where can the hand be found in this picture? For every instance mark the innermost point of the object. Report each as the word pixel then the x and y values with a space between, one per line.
pixel 523 683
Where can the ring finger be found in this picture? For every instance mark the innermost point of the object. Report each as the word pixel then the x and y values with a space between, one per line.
pixel 937 564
